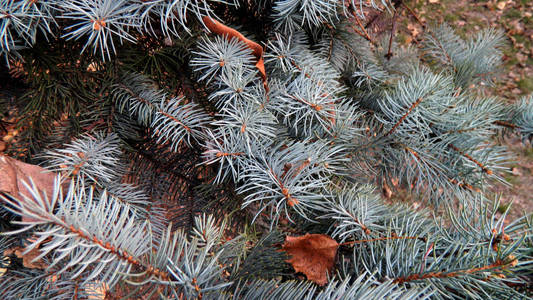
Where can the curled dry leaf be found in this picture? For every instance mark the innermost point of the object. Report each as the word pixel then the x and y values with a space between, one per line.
pixel 13 172
pixel 387 192
pixel 221 29
pixel 27 258
pixel 312 254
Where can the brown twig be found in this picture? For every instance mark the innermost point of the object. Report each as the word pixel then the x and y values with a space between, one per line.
pixel 464 185
pixel 224 154
pixel 315 106
pixel 367 36
pixel 425 257
pixel 412 12
pixel 363 33
pixel 451 180
pixel 175 120
pixel 389 51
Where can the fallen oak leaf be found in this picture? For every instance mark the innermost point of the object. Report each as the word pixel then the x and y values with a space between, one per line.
pixel 257 50
pixel 27 258
pixel 14 172
pixel 312 254
pixel 221 29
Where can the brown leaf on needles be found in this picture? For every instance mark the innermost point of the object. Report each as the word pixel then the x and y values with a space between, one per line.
pixel 27 259
pixel 312 254
pixel 387 192
pixel 221 29
pixel 13 172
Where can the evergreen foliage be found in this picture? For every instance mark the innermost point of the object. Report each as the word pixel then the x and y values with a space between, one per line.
pixel 181 165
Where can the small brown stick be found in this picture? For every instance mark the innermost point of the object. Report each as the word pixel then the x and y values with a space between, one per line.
pixel 315 106
pixel 414 14
pixel 451 180
pixel 224 154
pixel 425 257
pixel 389 51
pixel 290 199
pixel 366 35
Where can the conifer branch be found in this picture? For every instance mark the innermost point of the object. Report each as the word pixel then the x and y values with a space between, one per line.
pixel 357 221
pixel 136 96
pixel 497 265
pixel 257 50
pixel 451 180
pixel 385 238
pixel 290 199
pixel 175 120
pixel 415 104
pixel 506 124
pixel 470 158
pixel 363 34
pixel 117 251
pixel 334 113
pixel 464 185
pixel 314 106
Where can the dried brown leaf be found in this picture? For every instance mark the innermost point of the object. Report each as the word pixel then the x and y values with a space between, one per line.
pixel 501 5
pixel 312 254
pixel 257 50
pixel 27 259
pixel 13 172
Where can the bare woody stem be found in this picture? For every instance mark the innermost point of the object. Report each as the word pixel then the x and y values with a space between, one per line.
pixel 393 29
pixel 315 106
pixel 414 14
pixel 319 82
pixel 299 68
pixel 464 185
pixel 124 87
pixel 448 58
pixel 363 33
pixel 363 226
pixel 224 154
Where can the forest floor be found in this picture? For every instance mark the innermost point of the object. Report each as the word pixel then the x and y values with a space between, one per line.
pixel 515 80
